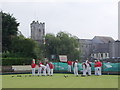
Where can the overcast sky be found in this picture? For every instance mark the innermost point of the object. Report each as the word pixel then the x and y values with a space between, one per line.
pixel 84 18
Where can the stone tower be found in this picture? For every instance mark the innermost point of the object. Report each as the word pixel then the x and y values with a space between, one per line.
pixel 37 31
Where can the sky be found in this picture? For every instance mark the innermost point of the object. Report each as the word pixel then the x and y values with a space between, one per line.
pixel 82 18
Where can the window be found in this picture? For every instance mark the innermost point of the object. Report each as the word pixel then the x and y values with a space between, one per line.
pixel 39 30
pixel 106 55
pixel 101 55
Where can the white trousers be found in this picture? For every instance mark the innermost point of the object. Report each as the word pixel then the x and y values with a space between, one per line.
pixel 39 70
pixel 44 71
pixel 99 70
pixel 51 71
pixel 69 68
pixel 84 71
pixel 33 71
pixel 75 70
pixel 96 70
pixel 48 71
pixel 89 70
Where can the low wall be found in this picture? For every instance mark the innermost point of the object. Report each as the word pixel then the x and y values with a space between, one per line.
pixel 17 68
pixel 22 68
pixel 0 68
pixel 7 69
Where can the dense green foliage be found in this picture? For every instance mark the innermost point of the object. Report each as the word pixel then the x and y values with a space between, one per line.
pixel 9 29
pixel 23 46
pixel 62 44
pixel 22 51
pixel 16 61
pixel 15 47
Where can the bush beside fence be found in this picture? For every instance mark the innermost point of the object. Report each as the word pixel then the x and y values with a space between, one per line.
pixel 16 61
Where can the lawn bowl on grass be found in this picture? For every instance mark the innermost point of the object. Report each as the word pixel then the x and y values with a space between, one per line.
pixel 59 81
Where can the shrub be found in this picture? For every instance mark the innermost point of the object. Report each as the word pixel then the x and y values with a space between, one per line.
pixel 16 61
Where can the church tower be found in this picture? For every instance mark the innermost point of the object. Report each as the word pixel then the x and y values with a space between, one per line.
pixel 37 31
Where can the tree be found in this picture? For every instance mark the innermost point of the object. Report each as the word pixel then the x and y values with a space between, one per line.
pixel 62 44
pixel 9 29
pixel 24 47
pixel 15 46
pixel 51 44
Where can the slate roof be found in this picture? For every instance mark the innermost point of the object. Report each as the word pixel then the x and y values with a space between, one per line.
pixel 86 41
pixel 102 39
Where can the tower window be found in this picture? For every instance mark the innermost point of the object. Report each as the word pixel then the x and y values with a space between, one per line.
pixel 39 30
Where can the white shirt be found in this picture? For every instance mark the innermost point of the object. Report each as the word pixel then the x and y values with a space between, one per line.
pixel 47 66
pixel 75 64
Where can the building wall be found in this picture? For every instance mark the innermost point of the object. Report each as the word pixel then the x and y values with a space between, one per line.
pixel 99 48
pixel 85 48
pixel 114 49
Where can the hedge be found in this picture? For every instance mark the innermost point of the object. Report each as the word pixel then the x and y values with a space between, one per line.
pixel 16 61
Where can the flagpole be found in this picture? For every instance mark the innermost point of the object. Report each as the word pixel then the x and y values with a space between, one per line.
pixel 44 42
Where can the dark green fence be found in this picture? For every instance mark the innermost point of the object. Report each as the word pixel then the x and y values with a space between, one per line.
pixel 111 67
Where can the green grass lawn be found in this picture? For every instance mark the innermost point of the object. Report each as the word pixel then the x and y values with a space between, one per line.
pixel 59 81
